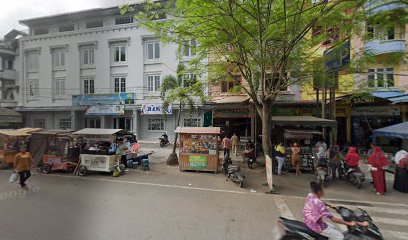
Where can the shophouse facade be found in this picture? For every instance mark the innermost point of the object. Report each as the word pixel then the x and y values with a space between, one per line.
pixel 98 69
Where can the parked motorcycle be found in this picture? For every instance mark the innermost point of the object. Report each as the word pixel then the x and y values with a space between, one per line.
pixel 249 157
pixel 298 230
pixel 322 172
pixel 164 140
pixel 233 172
pixel 354 175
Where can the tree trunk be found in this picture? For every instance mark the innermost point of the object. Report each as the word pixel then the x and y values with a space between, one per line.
pixel 173 159
pixel 266 118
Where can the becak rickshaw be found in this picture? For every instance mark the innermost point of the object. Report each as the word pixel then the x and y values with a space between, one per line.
pixel 54 150
pixel 98 150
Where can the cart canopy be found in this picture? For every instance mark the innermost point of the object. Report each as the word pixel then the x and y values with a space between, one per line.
pixel 199 130
pixel 397 131
pixel 300 133
pixel 97 131
pixel 22 132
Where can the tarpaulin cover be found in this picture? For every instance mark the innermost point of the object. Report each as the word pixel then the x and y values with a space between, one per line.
pixel 397 131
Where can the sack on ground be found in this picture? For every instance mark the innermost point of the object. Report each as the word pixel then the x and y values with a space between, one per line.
pixel 13 178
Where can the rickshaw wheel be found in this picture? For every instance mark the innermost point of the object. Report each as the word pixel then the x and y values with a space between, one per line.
pixel 82 171
pixel 46 168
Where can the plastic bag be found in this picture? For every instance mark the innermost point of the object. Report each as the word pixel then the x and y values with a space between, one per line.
pixel 14 177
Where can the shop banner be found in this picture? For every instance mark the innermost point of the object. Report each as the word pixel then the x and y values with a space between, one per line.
pixel 105 110
pixel 197 162
pixel 268 167
pixel 376 111
pixel 154 109
pixel 102 99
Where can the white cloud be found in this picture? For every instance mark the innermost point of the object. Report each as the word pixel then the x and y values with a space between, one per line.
pixel 13 11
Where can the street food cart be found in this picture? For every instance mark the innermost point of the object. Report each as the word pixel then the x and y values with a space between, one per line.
pixel 11 141
pixel 54 150
pixel 304 138
pixel 98 149
pixel 199 149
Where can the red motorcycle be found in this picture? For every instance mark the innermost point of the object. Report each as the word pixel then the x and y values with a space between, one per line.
pixel 249 157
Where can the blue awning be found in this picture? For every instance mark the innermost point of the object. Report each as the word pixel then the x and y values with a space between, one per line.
pixel 394 96
pixel 397 131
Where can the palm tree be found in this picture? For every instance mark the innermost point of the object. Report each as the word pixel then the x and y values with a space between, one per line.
pixel 184 91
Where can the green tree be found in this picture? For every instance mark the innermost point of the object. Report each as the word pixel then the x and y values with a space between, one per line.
pixel 185 91
pixel 270 42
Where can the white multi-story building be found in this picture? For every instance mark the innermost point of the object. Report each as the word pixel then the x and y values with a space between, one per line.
pixel 82 69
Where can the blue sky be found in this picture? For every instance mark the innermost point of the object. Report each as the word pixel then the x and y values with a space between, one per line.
pixel 14 10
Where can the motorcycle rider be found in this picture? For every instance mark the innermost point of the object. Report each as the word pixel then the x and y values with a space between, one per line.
pixel 352 159
pixel 315 211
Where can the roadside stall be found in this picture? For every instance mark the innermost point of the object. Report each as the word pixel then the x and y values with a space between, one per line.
pixel 11 141
pixel 55 150
pixel 199 150
pixel 304 137
pixel 98 150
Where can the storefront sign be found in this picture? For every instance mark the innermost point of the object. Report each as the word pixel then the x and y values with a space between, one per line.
pixel 102 99
pixel 197 162
pixel 376 111
pixel 232 113
pixel 154 109
pixel 105 110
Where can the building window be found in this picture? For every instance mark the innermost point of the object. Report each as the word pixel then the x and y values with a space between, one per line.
pixel 124 20
pixel 59 87
pixel 65 123
pixel 227 86
pixel 120 84
pixel 153 83
pixel 93 123
pixel 119 54
pixel 88 85
pixel 39 123
pixel 381 77
pixel 33 61
pixel 58 58
pixel 66 28
pixel 40 31
pixel 192 122
pixel 380 32
pixel 189 79
pixel 33 90
pixel 189 48
pixel 94 24
pixel 87 57
pixel 153 50
pixel 156 124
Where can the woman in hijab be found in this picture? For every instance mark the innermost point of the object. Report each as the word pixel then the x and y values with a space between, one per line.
pixel 377 163
pixel 401 173
pixel 352 158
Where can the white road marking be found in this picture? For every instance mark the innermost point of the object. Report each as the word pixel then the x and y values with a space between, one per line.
pixel 370 209
pixel 283 207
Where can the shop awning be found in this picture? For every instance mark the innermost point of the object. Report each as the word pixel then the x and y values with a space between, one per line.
pixel 397 131
pixel 10 116
pixel 303 121
pixel 97 131
pixel 54 132
pixel 232 99
pixel 300 133
pixel 198 130
pixel 22 132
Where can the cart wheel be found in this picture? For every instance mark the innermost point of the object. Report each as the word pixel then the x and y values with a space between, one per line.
pixel 82 171
pixel 46 168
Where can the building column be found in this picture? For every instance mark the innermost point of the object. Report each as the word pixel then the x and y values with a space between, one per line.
pixel 73 120
pixel 135 121
pixel 103 122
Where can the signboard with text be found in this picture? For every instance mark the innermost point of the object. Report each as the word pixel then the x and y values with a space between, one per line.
pixel 103 99
pixel 268 168
pixel 376 111
pixel 197 162
pixel 154 109
pixel 105 110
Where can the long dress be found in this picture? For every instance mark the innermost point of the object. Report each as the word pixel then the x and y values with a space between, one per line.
pixel 378 161
pixel 401 175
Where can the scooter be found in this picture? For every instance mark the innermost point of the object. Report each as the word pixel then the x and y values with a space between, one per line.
pixel 322 172
pixel 164 140
pixel 354 175
pixel 233 172
pixel 298 230
pixel 249 158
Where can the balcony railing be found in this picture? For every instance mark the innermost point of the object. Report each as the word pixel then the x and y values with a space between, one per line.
pixel 377 47
pixel 378 6
pixel 8 74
